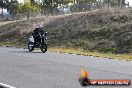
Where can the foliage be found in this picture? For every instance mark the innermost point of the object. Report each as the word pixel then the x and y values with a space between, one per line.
pixel 27 8
pixel 3 5
pixel 13 8
pixel 51 6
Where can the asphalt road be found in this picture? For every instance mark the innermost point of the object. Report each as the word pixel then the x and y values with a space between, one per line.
pixel 23 69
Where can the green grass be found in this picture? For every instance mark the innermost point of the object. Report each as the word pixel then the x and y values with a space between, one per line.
pixel 12 44
pixel 95 54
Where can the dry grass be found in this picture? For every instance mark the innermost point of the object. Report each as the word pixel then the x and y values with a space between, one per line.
pixel 107 30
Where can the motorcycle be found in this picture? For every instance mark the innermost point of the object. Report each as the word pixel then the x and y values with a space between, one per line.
pixel 38 44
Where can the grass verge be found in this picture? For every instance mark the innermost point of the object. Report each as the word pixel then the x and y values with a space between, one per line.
pixel 12 44
pixel 127 57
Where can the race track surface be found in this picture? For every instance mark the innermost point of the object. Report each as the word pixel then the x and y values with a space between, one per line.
pixel 22 69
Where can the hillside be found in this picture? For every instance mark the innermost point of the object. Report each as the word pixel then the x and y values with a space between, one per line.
pixel 107 30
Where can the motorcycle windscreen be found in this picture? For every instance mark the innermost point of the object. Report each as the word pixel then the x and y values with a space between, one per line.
pixel 31 39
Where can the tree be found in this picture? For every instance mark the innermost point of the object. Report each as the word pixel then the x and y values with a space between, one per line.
pixel 3 5
pixel 27 8
pixel 115 3
pixel 32 2
pixel 51 5
pixel 13 8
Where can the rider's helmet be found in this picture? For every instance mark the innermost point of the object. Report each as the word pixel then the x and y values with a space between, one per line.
pixel 40 26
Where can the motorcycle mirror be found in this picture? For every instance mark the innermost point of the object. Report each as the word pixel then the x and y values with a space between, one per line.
pixel 46 33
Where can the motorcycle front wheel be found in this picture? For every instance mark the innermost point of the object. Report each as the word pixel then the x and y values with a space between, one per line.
pixel 30 48
pixel 44 48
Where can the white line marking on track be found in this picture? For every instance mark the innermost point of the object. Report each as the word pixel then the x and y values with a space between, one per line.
pixel 6 86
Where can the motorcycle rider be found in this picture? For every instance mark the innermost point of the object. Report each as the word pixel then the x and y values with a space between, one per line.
pixel 36 33
pixel 37 39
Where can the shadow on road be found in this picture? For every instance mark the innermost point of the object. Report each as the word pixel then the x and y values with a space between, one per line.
pixel 25 52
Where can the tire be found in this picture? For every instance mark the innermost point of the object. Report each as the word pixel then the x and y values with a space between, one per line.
pixel 84 81
pixel 44 48
pixel 30 48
